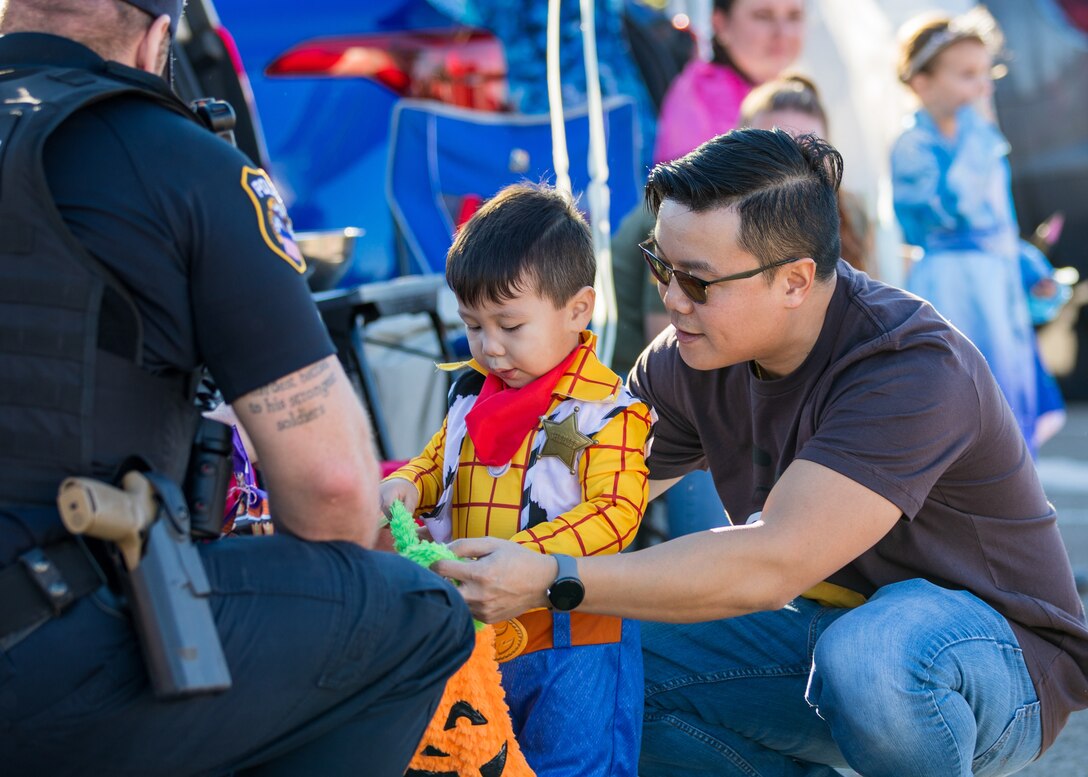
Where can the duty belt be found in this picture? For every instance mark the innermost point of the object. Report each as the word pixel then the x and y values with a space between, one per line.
pixel 41 584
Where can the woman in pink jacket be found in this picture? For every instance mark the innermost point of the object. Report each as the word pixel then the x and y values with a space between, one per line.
pixel 754 41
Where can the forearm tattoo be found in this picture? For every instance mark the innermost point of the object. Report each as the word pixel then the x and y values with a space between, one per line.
pixel 297 399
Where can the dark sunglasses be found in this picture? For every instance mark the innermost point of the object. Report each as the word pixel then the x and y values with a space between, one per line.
pixel 695 288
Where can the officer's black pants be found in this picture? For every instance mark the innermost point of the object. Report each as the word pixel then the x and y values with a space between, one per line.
pixel 338 657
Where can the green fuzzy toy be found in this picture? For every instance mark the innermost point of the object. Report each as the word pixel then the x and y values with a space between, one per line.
pixel 407 543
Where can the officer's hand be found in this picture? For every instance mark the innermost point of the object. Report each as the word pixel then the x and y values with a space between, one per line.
pixel 400 489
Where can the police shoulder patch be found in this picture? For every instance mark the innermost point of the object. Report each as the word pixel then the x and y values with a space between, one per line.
pixel 272 218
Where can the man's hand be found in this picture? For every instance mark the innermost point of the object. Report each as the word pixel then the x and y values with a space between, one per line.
pixel 400 489
pixel 503 581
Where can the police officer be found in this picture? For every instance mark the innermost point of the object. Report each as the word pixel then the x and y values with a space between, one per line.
pixel 135 247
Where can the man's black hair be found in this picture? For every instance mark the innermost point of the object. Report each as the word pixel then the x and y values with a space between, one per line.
pixel 783 188
pixel 525 238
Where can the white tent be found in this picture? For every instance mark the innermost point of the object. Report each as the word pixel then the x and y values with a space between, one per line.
pixel 597 193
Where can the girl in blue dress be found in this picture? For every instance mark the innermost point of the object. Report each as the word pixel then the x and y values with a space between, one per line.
pixel 953 199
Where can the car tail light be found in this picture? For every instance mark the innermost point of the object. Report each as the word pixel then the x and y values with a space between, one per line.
pixel 462 66
pixel 232 51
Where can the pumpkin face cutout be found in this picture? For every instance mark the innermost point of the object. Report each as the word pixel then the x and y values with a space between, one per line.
pixel 470 734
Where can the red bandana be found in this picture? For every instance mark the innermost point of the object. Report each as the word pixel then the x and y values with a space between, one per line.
pixel 502 416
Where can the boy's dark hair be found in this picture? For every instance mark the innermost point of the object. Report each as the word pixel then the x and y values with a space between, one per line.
pixel 524 238
pixel 784 190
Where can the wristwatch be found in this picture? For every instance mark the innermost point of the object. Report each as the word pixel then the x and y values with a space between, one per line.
pixel 566 591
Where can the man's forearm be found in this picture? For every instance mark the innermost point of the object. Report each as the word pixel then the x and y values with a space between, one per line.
pixel 329 510
pixel 703 576
pixel 734 570
pixel 693 578
pixel 720 573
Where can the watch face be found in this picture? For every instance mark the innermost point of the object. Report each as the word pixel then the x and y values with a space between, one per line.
pixel 566 594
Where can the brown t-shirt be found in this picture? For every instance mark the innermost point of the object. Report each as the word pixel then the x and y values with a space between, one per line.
pixel 894 398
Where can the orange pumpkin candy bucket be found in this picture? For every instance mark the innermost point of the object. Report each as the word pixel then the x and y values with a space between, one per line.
pixel 470 734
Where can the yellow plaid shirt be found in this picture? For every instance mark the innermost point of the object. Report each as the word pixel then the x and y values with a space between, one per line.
pixel 516 504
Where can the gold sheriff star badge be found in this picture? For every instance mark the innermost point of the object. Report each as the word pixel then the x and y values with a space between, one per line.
pixel 563 440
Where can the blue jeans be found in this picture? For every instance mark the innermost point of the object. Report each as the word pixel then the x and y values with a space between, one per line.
pixel 693 504
pixel 338 657
pixel 920 680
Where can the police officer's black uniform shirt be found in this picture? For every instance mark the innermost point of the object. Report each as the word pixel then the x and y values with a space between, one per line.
pixel 193 229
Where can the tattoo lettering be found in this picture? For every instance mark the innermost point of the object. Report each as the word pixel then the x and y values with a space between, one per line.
pixel 300 417
pixel 322 390
pixel 296 398
pixel 311 372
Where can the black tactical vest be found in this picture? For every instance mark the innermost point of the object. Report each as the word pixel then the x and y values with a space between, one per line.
pixel 74 399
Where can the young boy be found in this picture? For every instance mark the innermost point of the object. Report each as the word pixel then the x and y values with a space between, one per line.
pixel 542 445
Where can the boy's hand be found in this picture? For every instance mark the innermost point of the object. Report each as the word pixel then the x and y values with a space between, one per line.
pixel 390 491
pixel 385 538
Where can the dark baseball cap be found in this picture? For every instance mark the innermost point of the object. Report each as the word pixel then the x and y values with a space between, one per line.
pixel 157 8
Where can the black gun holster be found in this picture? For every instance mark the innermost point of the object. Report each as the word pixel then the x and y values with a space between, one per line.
pixel 146 526
pixel 168 593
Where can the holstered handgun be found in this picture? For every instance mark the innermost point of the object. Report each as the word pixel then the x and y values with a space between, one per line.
pixel 164 578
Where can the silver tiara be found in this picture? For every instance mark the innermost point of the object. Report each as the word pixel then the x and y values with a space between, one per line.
pixel 977 23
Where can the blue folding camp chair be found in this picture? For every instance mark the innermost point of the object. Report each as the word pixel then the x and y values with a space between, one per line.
pixel 444 159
